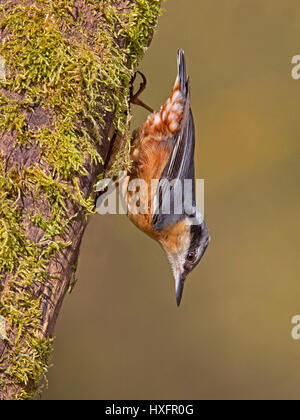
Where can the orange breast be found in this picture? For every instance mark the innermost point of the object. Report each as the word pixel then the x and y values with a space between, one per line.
pixel 149 160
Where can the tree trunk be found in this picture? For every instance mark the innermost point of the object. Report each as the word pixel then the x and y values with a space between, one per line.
pixel 64 90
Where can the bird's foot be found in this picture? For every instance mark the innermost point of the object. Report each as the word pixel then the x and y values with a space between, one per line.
pixel 134 98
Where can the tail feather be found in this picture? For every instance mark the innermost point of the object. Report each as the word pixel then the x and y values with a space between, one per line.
pixel 166 122
pixel 182 72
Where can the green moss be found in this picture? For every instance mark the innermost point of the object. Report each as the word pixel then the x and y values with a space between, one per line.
pixel 12 118
pixel 54 63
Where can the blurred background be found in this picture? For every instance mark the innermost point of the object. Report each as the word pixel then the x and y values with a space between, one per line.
pixel 120 334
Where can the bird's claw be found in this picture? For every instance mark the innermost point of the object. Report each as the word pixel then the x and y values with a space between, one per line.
pixel 134 98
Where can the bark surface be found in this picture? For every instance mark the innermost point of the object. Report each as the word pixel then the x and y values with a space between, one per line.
pixel 68 66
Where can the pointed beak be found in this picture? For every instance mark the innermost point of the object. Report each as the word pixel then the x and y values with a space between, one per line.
pixel 179 285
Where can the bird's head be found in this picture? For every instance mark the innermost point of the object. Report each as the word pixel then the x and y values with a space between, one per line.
pixel 185 245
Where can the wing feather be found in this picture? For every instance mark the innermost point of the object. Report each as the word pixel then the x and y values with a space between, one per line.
pixel 179 167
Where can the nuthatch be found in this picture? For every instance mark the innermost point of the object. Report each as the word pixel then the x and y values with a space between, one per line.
pixel 163 149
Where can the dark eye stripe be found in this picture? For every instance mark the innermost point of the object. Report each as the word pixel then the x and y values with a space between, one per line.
pixel 196 231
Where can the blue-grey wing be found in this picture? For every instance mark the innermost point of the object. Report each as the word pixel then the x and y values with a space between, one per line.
pixel 177 183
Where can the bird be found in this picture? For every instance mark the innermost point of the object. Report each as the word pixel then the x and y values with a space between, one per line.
pixel 163 149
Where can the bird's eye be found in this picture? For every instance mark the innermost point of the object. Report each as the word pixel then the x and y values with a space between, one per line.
pixel 190 257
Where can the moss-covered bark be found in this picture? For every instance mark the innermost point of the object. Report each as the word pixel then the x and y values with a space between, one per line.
pixel 68 68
